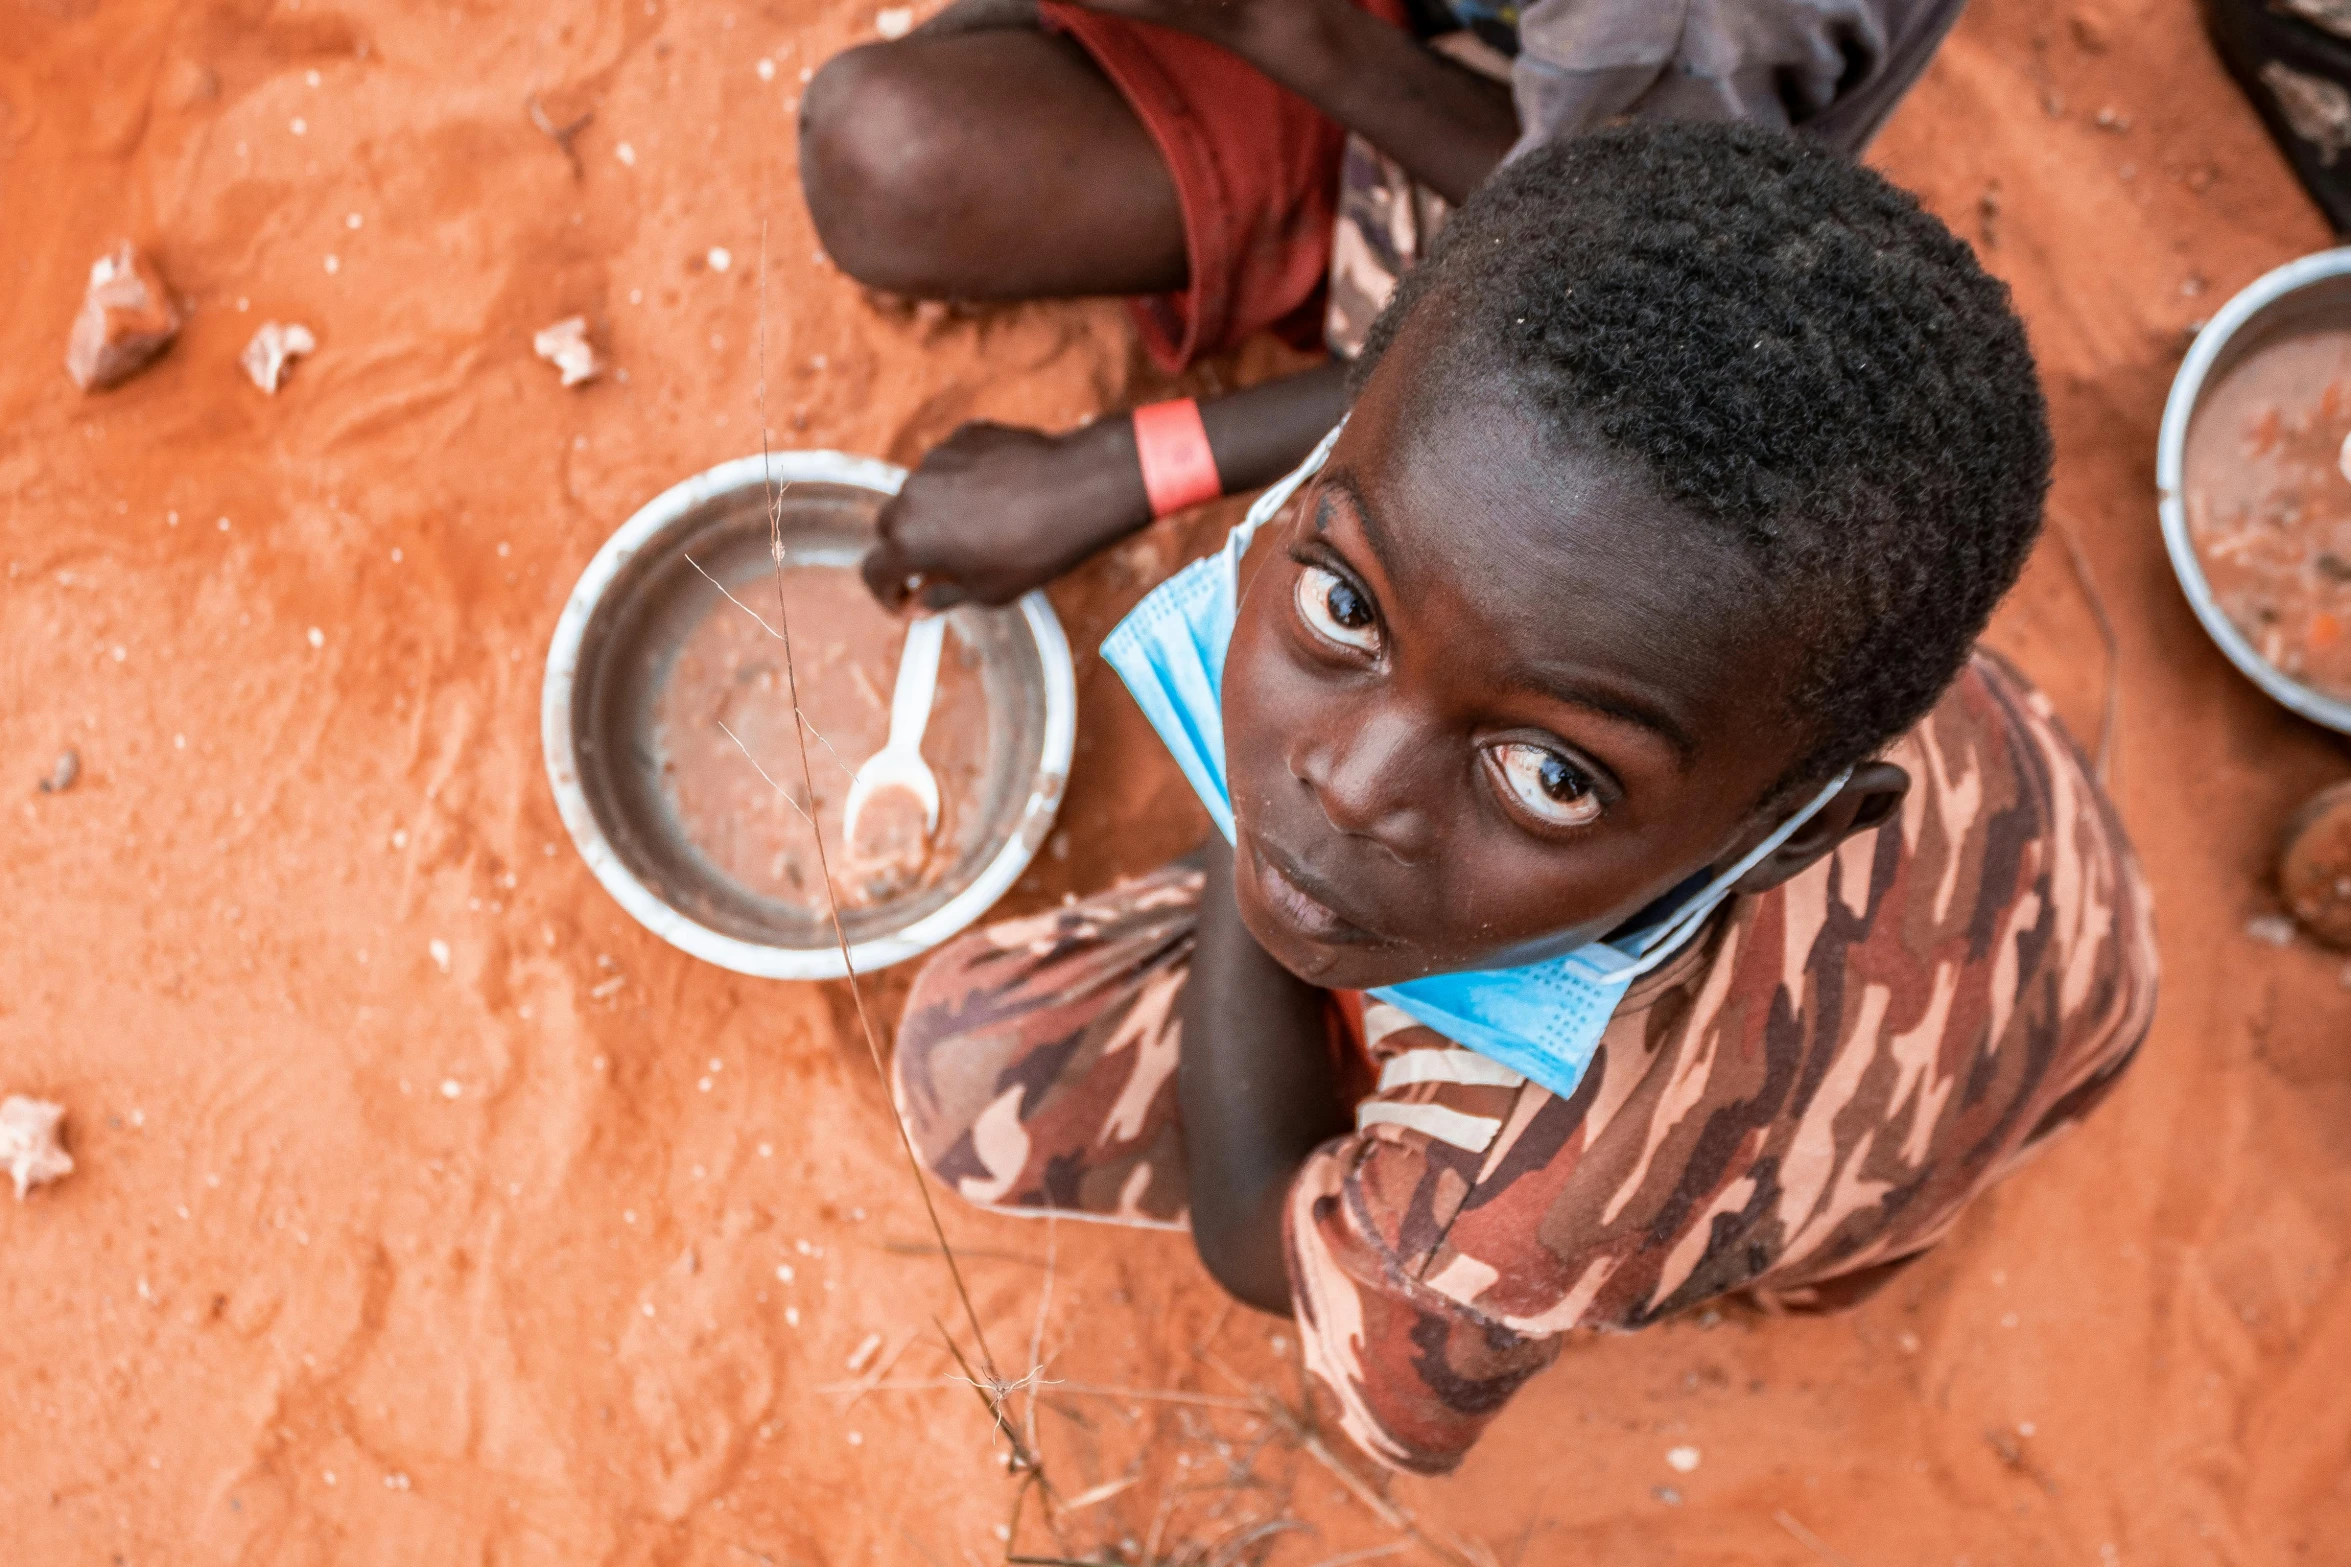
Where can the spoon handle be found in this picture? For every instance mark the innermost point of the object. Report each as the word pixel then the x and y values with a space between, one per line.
pixel 918 682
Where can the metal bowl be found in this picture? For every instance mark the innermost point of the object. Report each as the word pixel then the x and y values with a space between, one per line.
pixel 2299 296
pixel 613 653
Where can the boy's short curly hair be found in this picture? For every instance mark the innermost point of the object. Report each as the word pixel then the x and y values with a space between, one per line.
pixel 1800 356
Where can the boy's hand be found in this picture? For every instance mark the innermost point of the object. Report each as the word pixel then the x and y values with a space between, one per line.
pixel 994 511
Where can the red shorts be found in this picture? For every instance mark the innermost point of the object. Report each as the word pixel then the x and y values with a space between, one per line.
pixel 1256 169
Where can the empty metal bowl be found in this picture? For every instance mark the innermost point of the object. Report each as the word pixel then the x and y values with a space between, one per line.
pixel 612 657
pixel 2314 292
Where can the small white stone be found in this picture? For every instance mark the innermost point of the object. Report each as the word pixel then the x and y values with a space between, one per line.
pixel 440 951
pixel 791 1316
pixel 275 347
pixel 626 154
pixel 565 346
pixel 2275 929
pixel 894 21
pixel 317 637
pixel 766 69
pixel 451 1088
pixel 29 1145
pixel 334 264
pixel 784 1272
pixel 720 258
pixel 300 127
pixel 1681 1460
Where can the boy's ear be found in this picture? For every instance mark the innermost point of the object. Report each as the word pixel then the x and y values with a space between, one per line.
pixel 1868 801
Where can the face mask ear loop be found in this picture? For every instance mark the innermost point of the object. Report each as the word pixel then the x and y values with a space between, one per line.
pixel 1685 922
pixel 1275 499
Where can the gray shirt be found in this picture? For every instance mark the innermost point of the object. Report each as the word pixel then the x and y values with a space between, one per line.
pixel 1832 68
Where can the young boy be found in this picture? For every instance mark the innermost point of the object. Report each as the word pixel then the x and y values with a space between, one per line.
pixel 1189 153
pixel 1639 889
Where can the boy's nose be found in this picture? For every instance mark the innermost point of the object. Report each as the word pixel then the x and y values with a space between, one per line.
pixel 1362 774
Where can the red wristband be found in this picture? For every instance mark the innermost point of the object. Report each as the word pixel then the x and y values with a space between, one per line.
pixel 1178 468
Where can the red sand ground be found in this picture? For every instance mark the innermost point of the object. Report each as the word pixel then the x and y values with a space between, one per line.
pixel 371 1261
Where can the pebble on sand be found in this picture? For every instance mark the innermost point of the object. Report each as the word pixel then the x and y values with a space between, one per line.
pixel 895 22
pixel 2274 929
pixel 276 346
pixel 29 1144
pixel 565 346
pixel 63 772
pixel 127 318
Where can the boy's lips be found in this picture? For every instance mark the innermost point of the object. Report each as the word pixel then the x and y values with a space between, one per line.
pixel 1302 901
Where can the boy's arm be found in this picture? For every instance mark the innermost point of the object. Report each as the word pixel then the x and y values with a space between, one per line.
pixel 1257 1083
pixel 994 511
pixel 1447 125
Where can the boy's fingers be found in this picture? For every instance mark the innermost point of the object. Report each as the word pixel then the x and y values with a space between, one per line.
pixel 886 575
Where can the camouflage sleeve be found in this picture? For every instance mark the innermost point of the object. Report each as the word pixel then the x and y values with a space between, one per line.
pixel 1416 1367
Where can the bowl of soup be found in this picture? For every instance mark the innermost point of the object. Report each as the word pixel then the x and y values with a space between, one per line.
pixel 716 678
pixel 2253 471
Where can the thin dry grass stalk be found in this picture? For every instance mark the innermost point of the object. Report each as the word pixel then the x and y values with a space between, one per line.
pixel 1022 1459
pixel 2110 720
pixel 1810 1541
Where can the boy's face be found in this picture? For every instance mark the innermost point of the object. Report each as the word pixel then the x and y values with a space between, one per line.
pixel 1487 696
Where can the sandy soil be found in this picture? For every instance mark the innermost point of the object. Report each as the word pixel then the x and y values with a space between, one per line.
pixel 429 1211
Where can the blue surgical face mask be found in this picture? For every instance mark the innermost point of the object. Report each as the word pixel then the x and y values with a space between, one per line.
pixel 1542 1020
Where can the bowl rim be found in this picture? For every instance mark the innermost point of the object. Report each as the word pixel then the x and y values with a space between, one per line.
pixel 672 925
pixel 2187 391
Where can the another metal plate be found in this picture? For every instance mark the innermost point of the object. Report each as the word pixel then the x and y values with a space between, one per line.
pixel 2301 296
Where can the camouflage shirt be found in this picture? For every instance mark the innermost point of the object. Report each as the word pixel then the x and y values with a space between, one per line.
pixel 1801 1102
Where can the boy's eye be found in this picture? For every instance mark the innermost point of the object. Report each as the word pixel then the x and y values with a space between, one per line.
pixel 1337 610
pixel 1550 786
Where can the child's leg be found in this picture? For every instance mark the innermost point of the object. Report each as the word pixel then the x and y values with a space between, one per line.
pixel 991 164
pixel 1036 1060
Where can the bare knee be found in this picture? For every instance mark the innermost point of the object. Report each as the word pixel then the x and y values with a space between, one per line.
pixel 878 166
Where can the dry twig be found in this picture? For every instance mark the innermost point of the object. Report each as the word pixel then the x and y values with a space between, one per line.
pixel 562 136
pixel 1810 1541
pixel 2111 718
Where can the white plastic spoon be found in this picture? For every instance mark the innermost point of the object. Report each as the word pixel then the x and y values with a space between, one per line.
pixel 899 763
